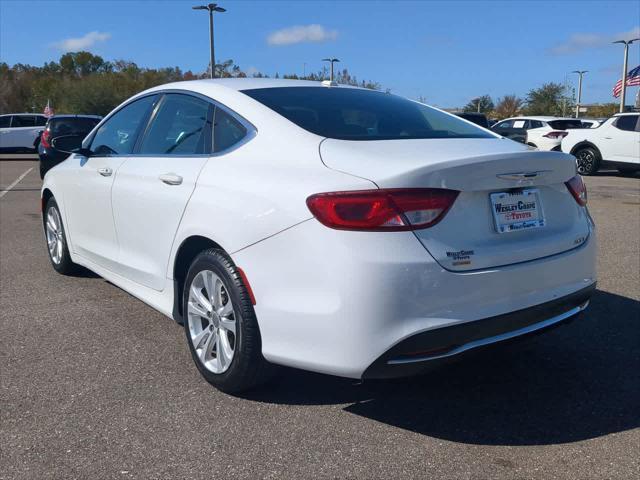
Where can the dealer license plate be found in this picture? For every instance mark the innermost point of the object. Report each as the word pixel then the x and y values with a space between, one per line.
pixel 517 210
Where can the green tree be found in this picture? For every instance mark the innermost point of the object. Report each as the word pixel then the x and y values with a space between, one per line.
pixel 484 102
pixel 550 99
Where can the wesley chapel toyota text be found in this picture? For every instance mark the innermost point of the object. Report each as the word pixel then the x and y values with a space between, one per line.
pixel 334 229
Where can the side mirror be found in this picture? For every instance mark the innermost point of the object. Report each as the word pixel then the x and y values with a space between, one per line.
pixel 70 144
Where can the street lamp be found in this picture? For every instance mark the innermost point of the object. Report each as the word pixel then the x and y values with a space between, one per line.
pixel 626 44
pixel 580 73
pixel 212 7
pixel 332 60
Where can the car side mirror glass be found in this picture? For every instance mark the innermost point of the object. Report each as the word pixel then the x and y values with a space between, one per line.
pixel 70 144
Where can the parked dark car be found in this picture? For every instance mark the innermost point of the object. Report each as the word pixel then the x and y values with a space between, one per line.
pixel 58 126
pixel 477 118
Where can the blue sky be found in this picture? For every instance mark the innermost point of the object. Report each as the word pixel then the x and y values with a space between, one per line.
pixel 448 52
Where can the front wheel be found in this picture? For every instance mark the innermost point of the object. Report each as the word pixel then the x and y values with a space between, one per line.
pixel 587 160
pixel 221 326
pixel 56 240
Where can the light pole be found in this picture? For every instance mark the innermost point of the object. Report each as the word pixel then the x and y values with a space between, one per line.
pixel 332 61
pixel 212 7
pixel 580 73
pixel 626 44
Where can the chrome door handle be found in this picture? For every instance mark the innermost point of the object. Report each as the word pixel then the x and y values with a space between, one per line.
pixel 170 179
pixel 105 171
pixel 607 138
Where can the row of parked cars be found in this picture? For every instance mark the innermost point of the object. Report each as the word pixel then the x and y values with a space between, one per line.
pixel 596 143
pixel 30 133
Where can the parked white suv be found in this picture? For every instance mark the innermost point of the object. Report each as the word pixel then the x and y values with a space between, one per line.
pixel 543 133
pixel 18 131
pixel 615 143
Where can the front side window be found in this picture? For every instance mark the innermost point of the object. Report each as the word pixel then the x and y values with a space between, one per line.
pixel 117 136
pixel 227 131
pixel 536 124
pixel 182 126
pixel 627 123
pixel 505 124
pixel 41 121
pixel 358 114
pixel 5 122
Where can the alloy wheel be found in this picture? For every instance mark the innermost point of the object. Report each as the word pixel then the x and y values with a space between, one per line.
pixel 55 240
pixel 585 160
pixel 212 321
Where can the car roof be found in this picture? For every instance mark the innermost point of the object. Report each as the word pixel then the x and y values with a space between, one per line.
pixel 541 118
pixel 55 117
pixel 625 114
pixel 27 113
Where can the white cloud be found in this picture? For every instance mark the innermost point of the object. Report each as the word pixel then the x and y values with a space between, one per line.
pixel 582 41
pixel 301 34
pixel 81 43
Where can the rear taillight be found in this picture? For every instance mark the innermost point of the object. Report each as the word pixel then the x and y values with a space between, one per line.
pixel 45 139
pixel 578 189
pixel 382 210
pixel 556 134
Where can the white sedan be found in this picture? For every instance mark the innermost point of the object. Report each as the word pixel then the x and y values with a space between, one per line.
pixel 335 229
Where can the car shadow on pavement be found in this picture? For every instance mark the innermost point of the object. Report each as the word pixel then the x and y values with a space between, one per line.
pixel 576 382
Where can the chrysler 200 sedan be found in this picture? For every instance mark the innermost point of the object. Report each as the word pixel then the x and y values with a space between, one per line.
pixel 329 228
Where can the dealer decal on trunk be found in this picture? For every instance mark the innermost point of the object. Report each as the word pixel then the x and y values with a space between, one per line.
pixel 461 257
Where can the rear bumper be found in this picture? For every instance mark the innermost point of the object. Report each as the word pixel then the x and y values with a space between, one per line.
pixel 414 354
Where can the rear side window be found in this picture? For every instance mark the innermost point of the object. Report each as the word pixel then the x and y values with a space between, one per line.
pixel 182 126
pixel 357 114
pixel 227 131
pixel 23 121
pixel 536 124
pixel 117 136
pixel 5 122
pixel 627 123
pixel 565 124
pixel 72 126
pixel 41 121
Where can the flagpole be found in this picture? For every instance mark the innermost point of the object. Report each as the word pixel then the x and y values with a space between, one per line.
pixel 623 92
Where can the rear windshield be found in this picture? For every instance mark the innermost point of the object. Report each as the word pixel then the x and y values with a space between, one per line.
pixel 564 124
pixel 355 114
pixel 72 126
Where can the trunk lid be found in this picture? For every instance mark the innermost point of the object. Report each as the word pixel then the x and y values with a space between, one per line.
pixel 481 169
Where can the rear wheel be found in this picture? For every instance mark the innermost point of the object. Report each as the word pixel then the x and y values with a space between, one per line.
pixel 221 326
pixel 56 240
pixel 587 160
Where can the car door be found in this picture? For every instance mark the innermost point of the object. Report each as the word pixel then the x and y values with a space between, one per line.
pixel 88 196
pixel 624 139
pixel 153 186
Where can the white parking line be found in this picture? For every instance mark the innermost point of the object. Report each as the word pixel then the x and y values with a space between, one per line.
pixel 17 181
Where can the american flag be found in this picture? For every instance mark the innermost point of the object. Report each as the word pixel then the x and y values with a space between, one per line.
pixel 48 110
pixel 633 80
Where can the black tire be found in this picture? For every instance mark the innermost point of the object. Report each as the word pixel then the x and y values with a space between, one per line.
pixel 248 368
pixel 62 263
pixel 587 160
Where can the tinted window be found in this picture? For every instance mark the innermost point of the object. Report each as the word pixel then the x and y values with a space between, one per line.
pixel 536 124
pixel 181 127
pixel 355 114
pixel 477 118
pixel 227 131
pixel 565 124
pixel 505 124
pixel 41 121
pixel 23 121
pixel 5 122
pixel 627 122
pixel 118 134
pixel 72 126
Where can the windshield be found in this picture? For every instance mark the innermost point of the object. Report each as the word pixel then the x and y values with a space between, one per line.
pixel 565 124
pixel 357 114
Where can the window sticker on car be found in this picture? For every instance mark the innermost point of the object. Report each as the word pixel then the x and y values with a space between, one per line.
pixel 518 124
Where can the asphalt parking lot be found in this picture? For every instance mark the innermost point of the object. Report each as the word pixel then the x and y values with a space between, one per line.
pixel 95 384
